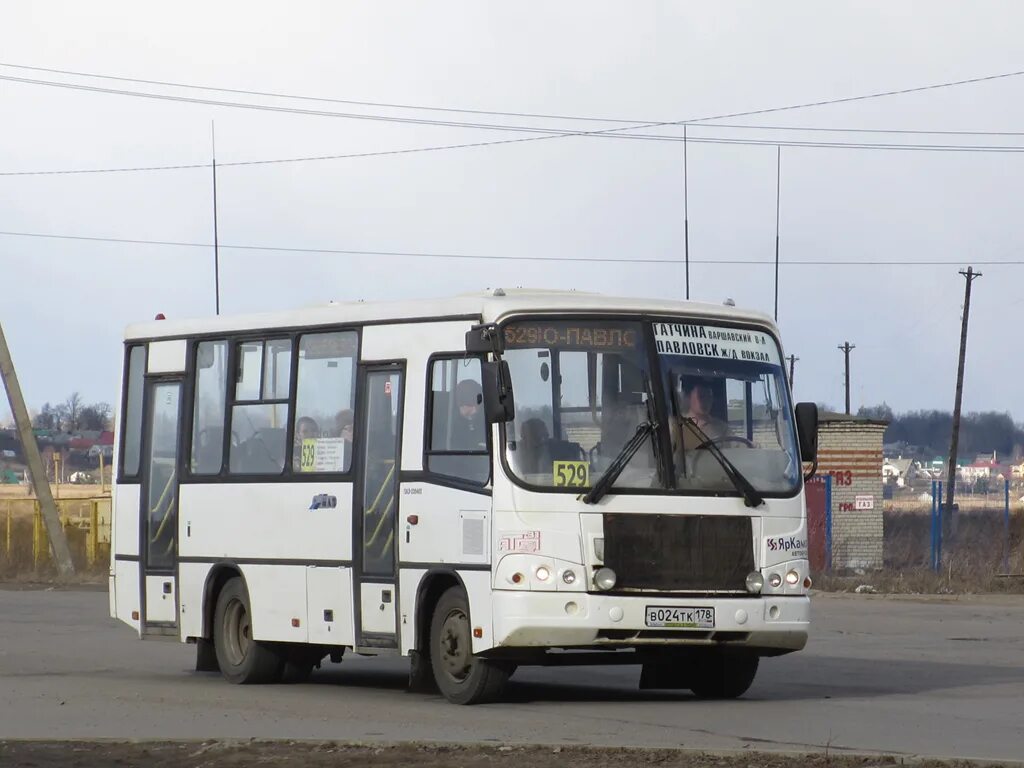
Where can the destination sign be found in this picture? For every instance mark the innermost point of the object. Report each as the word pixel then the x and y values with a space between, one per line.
pixel 699 340
pixel 618 336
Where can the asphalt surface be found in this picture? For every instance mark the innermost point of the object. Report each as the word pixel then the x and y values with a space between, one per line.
pixel 912 677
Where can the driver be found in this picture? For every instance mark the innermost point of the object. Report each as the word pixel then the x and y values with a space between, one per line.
pixel 699 401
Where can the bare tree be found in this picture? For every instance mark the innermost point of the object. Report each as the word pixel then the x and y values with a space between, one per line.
pixel 73 412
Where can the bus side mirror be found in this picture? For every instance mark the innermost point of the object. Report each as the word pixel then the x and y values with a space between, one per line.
pixel 499 402
pixel 807 431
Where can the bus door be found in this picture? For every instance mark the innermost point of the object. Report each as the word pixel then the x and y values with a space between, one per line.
pixel 159 506
pixel 375 507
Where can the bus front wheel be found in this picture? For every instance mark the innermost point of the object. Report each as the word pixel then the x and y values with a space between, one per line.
pixel 462 677
pixel 241 658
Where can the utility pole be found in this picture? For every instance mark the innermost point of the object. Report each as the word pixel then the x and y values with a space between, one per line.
pixel 948 522
pixel 216 244
pixel 58 541
pixel 778 197
pixel 847 347
pixel 792 367
pixel 686 217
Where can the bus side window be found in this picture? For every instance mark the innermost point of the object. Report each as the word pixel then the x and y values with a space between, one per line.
pixel 132 452
pixel 259 415
pixel 209 408
pixel 457 439
pixel 324 401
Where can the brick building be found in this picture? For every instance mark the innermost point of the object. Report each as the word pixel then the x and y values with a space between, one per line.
pixel 850 450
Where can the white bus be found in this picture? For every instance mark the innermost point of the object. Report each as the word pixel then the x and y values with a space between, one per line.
pixel 478 483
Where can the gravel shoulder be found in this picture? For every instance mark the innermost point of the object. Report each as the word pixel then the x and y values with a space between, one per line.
pixel 227 754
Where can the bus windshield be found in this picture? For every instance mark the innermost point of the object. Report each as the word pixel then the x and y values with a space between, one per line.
pixel 584 387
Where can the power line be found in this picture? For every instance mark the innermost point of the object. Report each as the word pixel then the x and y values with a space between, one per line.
pixel 488 126
pixel 495 113
pixel 545 133
pixel 830 129
pixel 491 257
pixel 956 148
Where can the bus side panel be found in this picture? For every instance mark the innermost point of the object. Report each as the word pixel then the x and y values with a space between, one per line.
pixel 329 617
pixel 408 586
pixel 277 598
pixel 478 587
pixel 124 581
pixel 452 526
pixel 245 521
pixel 126 592
pixel 191 587
pixel 126 520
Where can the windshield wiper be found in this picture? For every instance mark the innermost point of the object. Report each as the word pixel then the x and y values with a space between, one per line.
pixel 751 497
pixel 601 487
pixel 648 428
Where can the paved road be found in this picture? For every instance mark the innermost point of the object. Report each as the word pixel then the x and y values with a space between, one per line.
pixel 923 677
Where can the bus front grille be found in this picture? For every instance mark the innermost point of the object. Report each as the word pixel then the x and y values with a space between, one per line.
pixel 679 553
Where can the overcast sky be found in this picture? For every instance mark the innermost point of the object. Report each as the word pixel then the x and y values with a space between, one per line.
pixel 64 303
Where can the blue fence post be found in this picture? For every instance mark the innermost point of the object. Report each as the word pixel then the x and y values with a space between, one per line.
pixel 1006 526
pixel 828 522
pixel 938 531
pixel 934 521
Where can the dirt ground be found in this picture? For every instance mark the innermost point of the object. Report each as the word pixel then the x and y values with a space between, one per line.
pixel 216 754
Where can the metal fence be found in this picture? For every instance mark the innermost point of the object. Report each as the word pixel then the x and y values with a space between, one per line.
pixel 979 541
pixel 26 546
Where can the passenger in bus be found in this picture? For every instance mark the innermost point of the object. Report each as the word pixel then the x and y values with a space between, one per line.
pixel 469 432
pixel 344 427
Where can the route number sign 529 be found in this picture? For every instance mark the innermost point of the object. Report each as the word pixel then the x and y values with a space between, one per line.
pixel 571 474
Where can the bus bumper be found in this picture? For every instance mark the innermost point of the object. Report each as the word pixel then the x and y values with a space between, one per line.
pixel 771 625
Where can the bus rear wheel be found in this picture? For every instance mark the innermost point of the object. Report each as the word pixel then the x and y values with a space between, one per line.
pixel 462 677
pixel 721 675
pixel 242 659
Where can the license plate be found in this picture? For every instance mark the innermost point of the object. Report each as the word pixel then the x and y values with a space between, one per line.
pixel 679 618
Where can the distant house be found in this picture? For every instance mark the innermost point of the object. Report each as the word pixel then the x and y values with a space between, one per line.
pixel 899 471
pixel 989 469
pixel 1017 471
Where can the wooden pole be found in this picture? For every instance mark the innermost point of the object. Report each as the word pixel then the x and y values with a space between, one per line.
pixel 58 541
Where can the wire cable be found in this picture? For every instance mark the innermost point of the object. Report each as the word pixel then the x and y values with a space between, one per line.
pixel 545 133
pixel 491 126
pixel 983 148
pixel 490 257
pixel 544 116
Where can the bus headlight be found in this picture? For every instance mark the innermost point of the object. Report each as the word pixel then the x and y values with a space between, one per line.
pixel 569 576
pixel 604 579
pixel 755 582
pixel 774 581
pixel 792 578
pixel 542 573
